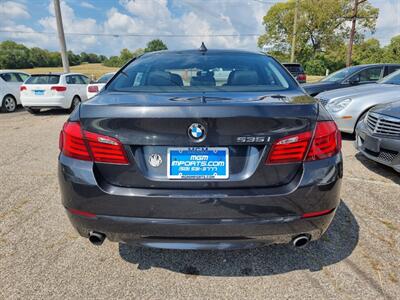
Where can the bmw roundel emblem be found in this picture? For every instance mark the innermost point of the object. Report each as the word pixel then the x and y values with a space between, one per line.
pixel 197 132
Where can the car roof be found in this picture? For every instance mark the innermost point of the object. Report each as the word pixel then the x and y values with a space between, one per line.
pixel 208 51
pixel 13 71
pixel 56 74
pixel 376 65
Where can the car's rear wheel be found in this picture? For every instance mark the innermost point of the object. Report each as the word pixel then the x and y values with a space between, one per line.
pixel 75 102
pixel 9 104
pixel 33 111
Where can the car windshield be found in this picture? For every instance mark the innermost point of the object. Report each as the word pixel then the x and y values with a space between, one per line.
pixel 341 74
pixel 43 79
pixel 393 78
pixel 192 71
pixel 105 78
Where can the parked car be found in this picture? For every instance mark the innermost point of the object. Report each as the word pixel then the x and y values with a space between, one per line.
pixel 10 81
pixel 350 77
pixel 378 136
pixel 94 88
pixel 297 71
pixel 58 90
pixel 349 106
pixel 163 161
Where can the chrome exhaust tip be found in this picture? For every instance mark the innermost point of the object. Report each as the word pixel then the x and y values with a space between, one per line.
pixel 96 238
pixel 300 241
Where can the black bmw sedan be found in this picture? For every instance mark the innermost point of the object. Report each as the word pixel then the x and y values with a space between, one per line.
pixel 201 149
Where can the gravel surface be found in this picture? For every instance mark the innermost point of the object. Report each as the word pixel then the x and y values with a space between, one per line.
pixel 43 257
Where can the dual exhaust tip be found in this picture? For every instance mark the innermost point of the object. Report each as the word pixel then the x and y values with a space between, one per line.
pixel 97 239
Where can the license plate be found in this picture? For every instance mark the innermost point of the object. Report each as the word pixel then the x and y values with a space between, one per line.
pixel 198 163
pixel 39 92
pixel 372 143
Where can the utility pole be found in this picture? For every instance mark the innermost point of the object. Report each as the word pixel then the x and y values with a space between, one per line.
pixel 296 12
pixel 353 31
pixel 61 36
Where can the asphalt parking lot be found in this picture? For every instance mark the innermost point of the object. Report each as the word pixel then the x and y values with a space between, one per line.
pixel 43 257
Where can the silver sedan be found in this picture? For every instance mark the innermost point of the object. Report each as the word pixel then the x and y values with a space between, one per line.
pixel 349 106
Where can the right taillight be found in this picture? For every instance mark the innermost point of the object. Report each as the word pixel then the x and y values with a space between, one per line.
pixel 325 143
pixel 302 77
pixel 93 89
pixel 84 145
pixel 22 88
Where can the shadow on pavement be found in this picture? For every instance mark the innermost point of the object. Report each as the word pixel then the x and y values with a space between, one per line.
pixel 337 244
pixel 348 136
pixel 378 168
pixel 50 112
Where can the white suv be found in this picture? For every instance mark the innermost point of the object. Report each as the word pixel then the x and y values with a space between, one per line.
pixel 64 90
pixel 10 81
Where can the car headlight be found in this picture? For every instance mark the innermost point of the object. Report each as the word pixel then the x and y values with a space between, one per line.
pixel 338 105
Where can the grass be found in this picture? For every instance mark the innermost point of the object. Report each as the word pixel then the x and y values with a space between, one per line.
pixel 313 78
pixel 92 70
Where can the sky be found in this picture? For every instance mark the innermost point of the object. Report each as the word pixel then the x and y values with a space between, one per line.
pixel 155 18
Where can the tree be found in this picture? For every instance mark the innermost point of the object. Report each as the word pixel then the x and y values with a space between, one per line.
pixel 392 51
pixel 360 13
pixel 368 52
pixel 14 56
pixel 74 59
pixel 155 45
pixel 321 25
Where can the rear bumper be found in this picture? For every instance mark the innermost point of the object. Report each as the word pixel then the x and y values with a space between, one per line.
pixel 45 102
pixel 378 148
pixel 202 219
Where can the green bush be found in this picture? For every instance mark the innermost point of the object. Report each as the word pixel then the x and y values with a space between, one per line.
pixel 315 67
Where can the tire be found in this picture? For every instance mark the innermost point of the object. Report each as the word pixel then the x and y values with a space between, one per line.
pixel 9 104
pixel 33 111
pixel 75 102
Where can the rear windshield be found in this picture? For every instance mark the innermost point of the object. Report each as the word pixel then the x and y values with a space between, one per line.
pixel 105 78
pixel 43 79
pixel 197 72
pixel 294 68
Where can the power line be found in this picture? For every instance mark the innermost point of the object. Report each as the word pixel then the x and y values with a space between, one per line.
pixel 133 34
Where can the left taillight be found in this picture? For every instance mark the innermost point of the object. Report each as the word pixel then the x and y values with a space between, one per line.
pixel 22 88
pixel 84 145
pixel 325 142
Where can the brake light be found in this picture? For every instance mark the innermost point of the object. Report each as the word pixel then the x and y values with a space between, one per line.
pixel 302 77
pixel 72 143
pixel 93 89
pixel 84 145
pixel 22 88
pixel 326 142
pixel 290 149
pixel 59 88
pixel 106 149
